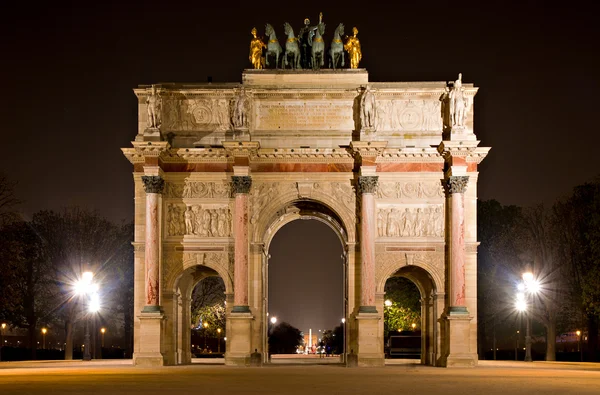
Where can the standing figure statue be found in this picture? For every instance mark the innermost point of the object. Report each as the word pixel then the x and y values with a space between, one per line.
pixel 336 50
pixel 291 48
pixel 458 103
pixel 367 109
pixel 256 49
pixel 305 35
pixel 352 46
pixel 154 103
pixel 240 118
pixel 273 46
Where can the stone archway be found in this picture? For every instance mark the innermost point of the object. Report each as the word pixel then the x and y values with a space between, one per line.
pixel 187 269
pixel 304 209
pixel 431 309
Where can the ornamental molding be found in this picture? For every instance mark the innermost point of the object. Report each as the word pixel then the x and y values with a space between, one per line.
pixel 366 149
pixel 198 189
pixel 199 220
pixel 410 155
pixel 311 155
pixel 175 263
pixel 388 263
pixel 410 190
pixel 467 150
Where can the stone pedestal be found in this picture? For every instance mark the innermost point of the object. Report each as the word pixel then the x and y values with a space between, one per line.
pixel 150 337
pixel 459 336
pixel 152 134
pixel 370 346
pixel 239 339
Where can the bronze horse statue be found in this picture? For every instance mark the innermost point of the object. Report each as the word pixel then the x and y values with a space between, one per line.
pixel 336 50
pixel 273 46
pixel 291 48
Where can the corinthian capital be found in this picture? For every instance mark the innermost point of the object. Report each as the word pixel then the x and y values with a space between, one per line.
pixel 456 184
pixel 241 184
pixel 153 184
pixel 367 184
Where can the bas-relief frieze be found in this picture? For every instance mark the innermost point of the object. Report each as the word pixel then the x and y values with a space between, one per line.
pixel 265 192
pixel 410 190
pixel 192 189
pixel 174 263
pixel 197 114
pixel 402 221
pixel 302 114
pixel 201 220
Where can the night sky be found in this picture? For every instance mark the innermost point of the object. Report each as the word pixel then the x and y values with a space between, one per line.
pixel 68 71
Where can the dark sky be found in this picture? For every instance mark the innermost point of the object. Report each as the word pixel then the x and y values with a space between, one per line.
pixel 68 70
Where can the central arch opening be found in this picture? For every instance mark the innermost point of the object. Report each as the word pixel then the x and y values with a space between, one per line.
pixel 306 291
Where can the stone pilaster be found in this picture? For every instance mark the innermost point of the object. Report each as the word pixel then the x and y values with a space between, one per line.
pixel 241 187
pixel 153 185
pixel 367 185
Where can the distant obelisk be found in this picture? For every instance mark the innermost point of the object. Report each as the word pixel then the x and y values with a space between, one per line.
pixel 309 340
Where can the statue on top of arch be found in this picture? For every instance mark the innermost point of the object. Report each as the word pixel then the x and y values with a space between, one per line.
pixel 307 50
pixel 455 106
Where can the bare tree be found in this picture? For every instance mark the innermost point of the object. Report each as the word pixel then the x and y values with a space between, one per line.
pixel 8 201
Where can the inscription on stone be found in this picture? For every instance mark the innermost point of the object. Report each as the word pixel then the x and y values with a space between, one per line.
pixel 313 115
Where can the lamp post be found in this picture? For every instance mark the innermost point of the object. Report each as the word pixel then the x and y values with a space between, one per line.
pixel 579 348
pixel 44 330
pixel 517 346
pixel 205 325
pixel 86 288
pixel 103 331
pixel 524 303
pixel 344 341
pixel 2 339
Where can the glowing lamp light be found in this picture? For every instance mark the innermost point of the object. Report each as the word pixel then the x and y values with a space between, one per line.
pixel 521 305
pixel 578 333
pixel 273 320
pixel 388 303
pixel 521 287
pixel 44 330
pixel 94 303
pixel 520 296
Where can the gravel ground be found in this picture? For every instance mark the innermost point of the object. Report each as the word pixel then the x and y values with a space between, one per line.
pixel 108 377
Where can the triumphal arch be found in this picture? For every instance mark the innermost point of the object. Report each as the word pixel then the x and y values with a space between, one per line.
pixel 220 167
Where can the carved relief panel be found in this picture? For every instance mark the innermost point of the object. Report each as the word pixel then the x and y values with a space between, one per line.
pixel 408 115
pixel 410 221
pixel 210 113
pixel 201 220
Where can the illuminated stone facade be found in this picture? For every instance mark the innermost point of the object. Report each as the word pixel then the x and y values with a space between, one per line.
pixel 219 168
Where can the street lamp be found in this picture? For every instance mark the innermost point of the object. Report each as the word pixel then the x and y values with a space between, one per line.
pixel 579 349
pixel 273 320
pixel 205 325
pixel 103 331
pixel 2 339
pixel 85 287
pixel 219 342
pixel 527 289
pixel 387 303
pixel 344 340
pixel 44 330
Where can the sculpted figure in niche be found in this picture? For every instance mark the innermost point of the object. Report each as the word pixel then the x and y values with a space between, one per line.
pixel 352 46
pixel 205 224
pixel 256 49
pixel 458 103
pixel 367 107
pixel 408 224
pixel 239 118
pixel 381 223
pixel 223 115
pixel 154 106
pixel 197 210
pixel 189 221
pixel 214 223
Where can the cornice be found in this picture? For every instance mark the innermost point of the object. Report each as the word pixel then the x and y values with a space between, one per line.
pixel 143 149
pixel 410 155
pixel 463 149
pixel 312 155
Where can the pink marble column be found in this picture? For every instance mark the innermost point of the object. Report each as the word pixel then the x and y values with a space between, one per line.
pixel 241 188
pixel 367 186
pixel 153 186
pixel 455 187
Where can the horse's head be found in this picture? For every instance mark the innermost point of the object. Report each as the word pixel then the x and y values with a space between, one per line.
pixel 321 28
pixel 287 28
pixel 340 29
pixel 268 29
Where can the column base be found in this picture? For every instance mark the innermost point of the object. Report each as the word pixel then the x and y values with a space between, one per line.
pixel 150 339
pixel 459 340
pixel 240 309
pixel 239 338
pixel 370 345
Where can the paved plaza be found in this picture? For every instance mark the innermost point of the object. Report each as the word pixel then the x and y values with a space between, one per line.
pixel 111 377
